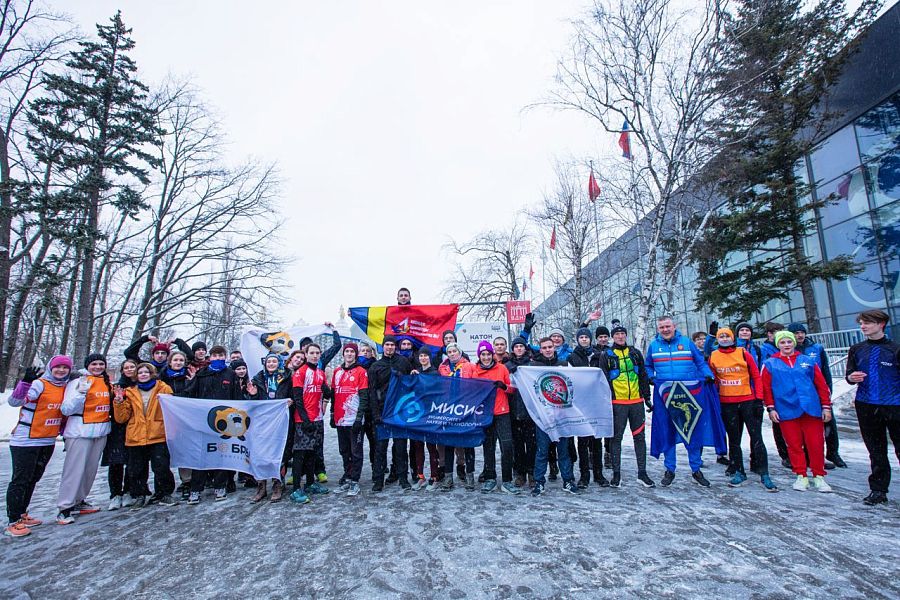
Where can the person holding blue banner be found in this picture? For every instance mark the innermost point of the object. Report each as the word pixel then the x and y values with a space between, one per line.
pixel 500 428
pixel 379 379
pixel 686 404
pixel 549 358
pixel 457 365
pixel 522 424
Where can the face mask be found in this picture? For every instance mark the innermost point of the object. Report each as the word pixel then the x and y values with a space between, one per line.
pixel 217 365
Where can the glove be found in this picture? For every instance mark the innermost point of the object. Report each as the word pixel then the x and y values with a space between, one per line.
pixel 31 374
pixel 710 380
pixel 500 384
pixel 331 422
pixel 358 425
pixel 649 405
pixel 713 328
pixel 529 321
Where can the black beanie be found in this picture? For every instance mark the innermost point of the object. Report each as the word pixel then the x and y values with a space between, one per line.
pixel 237 363
pixel 198 346
pixel 92 357
pixel 519 340
pixel 602 330
pixel 388 338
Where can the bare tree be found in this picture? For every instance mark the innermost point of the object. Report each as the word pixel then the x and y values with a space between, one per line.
pixel 567 210
pixel 646 63
pixel 488 268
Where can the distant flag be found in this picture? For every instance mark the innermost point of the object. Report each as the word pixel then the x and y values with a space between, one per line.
pixel 625 141
pixel 553 239
pixel 843 188
pixel 593 187
pixel 530 271
pixel 524 285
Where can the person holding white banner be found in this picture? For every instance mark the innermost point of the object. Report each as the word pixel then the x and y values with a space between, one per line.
pixel 548 358
pixel 145 436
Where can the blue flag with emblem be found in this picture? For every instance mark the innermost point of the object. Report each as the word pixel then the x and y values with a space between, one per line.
pixel 441 410
pixel 686 412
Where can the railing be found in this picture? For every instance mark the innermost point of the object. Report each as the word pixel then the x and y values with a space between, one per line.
pixel 837 344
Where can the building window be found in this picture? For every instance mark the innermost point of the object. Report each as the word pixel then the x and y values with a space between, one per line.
pixel 883 177
pixel 878 130
pixel 846 198
pixel 860 292
pixel 837 155
pixel 854 237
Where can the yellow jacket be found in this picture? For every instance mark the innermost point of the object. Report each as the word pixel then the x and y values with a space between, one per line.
pixel 143 428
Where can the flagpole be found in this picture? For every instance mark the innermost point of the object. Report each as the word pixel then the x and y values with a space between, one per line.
pixel 596 227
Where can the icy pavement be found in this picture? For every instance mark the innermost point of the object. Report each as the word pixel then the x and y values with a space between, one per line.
pixel 679 542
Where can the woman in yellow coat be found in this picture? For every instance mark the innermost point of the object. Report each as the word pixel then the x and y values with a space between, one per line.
pixel 145 436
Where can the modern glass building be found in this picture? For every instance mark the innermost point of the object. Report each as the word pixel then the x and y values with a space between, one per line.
pixel 856 163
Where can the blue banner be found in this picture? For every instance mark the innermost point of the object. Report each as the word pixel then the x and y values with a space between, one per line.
pixel 686 412
pixel 442 410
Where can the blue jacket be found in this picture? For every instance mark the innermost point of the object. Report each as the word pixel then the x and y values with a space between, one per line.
pixel 678 359
pixel 880 361
pixel 562 352
pixel 793 388
pixel 817 353
pixel 767 351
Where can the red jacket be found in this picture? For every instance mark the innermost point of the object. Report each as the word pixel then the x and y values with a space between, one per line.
pixel 496 372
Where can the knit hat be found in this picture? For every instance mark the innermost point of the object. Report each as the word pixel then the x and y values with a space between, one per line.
pixel 451 345
pixel 744 325
pixel 160 347
pixel 582 331
pixel 238 363
pixel 218 349
pixel 351 345
pixel 274 355
pixel 784 334
pixel 424 350
pixel 619 329
pixel 198 346
pixel 92 357
pixel 602 330
pixel 60 360
pixel 485 345
pixel 305 341
pixel 446 331
pixel 722 330
pixel 556 331
pixel 389 338
pixel 518 340
pixel 795 327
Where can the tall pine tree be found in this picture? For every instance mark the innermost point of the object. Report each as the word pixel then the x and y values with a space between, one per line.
pixel 104 140
pixel 780 57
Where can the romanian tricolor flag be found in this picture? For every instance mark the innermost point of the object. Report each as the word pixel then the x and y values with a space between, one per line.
pixel 423 323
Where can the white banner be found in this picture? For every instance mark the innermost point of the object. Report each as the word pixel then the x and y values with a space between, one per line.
pixel 567 401
pixel 468 335
pixel 238 435
pixel 256 343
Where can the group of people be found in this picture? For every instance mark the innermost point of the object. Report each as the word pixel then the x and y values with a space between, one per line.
pixel 121 424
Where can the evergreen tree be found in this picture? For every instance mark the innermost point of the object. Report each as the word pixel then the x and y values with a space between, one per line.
pixel 779 58
pixel 104 138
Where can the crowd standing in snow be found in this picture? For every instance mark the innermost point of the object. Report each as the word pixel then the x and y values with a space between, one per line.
pixel 120 425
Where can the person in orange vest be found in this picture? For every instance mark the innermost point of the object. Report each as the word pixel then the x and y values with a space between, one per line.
pixel 33 438
pixel 740 395
pixel 145 437
pixel 86 405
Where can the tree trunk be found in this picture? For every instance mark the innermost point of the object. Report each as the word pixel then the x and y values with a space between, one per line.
pixel 85 316
pixel 5 239
pixel 70 304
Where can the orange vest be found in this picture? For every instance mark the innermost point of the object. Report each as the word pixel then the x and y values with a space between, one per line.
pixel 96 402
pixel 47 418
pixel 732 374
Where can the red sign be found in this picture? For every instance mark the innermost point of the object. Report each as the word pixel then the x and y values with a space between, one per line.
pixel 516 311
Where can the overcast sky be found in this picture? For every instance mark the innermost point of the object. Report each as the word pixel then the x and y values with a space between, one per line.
pixel 395 125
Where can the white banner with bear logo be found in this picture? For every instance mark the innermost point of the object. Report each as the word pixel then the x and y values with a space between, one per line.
pixel 566 401
pixel 238 435
pixel 257 343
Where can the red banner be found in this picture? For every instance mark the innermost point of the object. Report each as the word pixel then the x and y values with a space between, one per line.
pixel 516 311
pixel 423 323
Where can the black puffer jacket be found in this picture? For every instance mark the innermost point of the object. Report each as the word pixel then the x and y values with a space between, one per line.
pixel 214 385
pixel 581 357
pixel 516 404
pixel 380 378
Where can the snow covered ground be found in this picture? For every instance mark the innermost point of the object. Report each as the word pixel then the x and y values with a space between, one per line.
pixel 679 542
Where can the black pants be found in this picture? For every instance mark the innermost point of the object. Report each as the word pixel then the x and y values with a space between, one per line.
pixel 350 445
pixel 831 438
pixel 740 415
pixel 590 458
pixel 373 442
pixel 157 457
pixel 28 465
pixel 523 446
pixel 780 444
pixel 320 456
pixel 876 423
pixel 450 457
pixel 631 415
pixel 219 479
pixel 119 477
pixel 399 459
pixel 304 464
pixel 500 430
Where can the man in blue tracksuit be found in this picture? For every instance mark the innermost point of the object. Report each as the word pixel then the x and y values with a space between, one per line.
pixel 874 366
pixel 673 357
pixel 817 352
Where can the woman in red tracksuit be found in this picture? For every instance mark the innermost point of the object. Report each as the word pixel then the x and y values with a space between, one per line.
pixel 501 427
pixel 797 397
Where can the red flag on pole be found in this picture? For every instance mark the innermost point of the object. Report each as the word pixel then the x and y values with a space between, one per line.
pixel 530 271
pixel 553 239
pixel 625 141
pixel 593 187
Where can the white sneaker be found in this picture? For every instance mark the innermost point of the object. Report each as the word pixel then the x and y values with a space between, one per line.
pixel 115 503
pixel 802 483
pixel 221 494
pixel 353 490
pixel 64 519
pixel 432 485
pixel 127 500
pixel 820 484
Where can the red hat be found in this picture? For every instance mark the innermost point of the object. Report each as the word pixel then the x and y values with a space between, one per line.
pixel 160 346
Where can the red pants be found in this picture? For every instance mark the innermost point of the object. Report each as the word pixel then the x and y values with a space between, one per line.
pixel 805 436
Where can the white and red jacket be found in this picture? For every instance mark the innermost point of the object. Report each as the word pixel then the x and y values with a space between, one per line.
pixel 347 383
pixel 308 395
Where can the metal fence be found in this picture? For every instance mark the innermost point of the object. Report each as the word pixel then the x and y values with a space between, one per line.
pixel 837 344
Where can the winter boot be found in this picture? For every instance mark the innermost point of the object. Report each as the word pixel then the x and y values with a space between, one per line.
pixel 699 479
pixel 668 478
pixel 277 491
pixel 875 498
pixel 260 491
